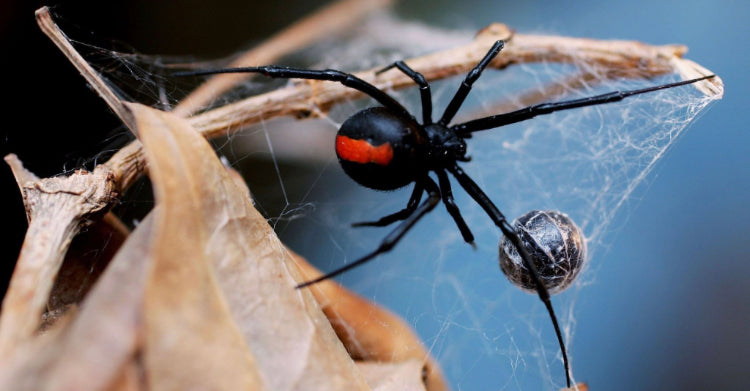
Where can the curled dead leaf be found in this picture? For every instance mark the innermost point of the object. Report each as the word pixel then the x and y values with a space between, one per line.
pixel 190 338
pixel 221 279
pixel 88 350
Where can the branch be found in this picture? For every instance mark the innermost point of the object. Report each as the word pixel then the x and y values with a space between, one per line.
pixel 327 21
pixel 619 58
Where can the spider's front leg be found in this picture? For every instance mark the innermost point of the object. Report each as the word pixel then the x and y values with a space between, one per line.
pixel 465 87
pixel 495 121
pixel 346 79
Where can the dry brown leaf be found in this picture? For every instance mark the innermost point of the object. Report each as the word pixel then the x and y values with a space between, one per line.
pixel 191 341
pixel 102 314
pixel 207 218
pixel 88 351
pixel 401 376
pixel 130 378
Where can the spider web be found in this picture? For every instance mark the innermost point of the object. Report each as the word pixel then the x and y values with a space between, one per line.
pixel 589 163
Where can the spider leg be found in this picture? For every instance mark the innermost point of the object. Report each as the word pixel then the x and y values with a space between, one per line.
pixel 525 113
pixel 416 195
pixel 347 79
pixel 424 88
pixel 499 219
pixel 394 237
pixel 452 208
pixel 465 87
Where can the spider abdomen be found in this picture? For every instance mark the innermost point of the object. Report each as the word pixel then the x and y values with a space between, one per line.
pixel 379 149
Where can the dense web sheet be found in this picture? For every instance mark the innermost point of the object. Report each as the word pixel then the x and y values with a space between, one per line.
pixel 587 162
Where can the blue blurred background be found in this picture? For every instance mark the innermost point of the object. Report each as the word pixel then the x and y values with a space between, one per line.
pixel 668 306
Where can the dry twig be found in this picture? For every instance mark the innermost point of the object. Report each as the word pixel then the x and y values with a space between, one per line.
pixel 620 58
pixel 329 20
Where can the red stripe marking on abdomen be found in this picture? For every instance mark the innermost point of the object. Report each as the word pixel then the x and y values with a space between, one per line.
pixel 361 151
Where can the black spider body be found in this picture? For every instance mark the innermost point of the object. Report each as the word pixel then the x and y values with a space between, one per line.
pixel 386 148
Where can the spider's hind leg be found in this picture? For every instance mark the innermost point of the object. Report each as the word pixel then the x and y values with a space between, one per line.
pixel 396 234
pixel 509 232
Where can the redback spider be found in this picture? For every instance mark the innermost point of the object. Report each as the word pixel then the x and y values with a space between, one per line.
pixel 386 148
